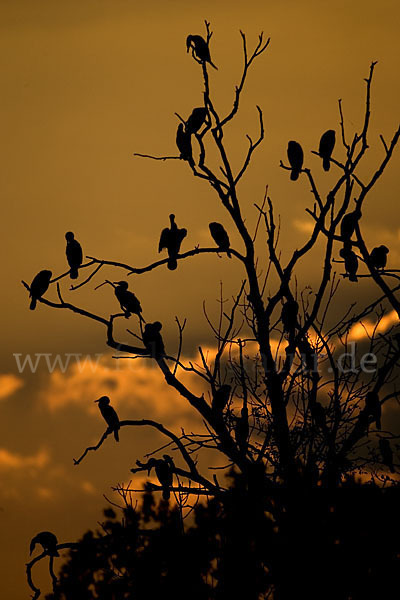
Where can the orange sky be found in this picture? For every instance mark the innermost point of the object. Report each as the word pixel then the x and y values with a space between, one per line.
pixel 84 86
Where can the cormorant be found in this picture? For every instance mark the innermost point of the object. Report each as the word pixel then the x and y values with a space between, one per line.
pixel 387 453
pixel 196 120
pixel 350 262
pixel 308 354
pixel 318 414
pixel 164 471
pixel 296 157
pixel 349 223
pixel 220 398
pixel 47 540
pixel 171 239
pixel 39 286
pixel 152 339
pixel 378 257
pixel 242 430
pixel 373 407
pixel 74 254
pixel 128 301
pixel 200 48
pixel 109 415
pixel 289 316
pixel 184 143
pixel 220 237
pixel 326 146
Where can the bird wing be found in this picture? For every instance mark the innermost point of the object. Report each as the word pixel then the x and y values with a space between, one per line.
pixel 164 238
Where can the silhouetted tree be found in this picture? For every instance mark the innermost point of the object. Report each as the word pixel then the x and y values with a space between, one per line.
pixel 282 402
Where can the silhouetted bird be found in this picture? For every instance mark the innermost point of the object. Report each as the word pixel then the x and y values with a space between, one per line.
pixel 296 157
pixel 171 239
pixel 373 407
pixel 220 398
pixel 349 223
pixel 242 430
pixel 128 301
pixel 74 254
pixel 220 237
pixel 387 453
pixel 378 257
pixel 164 472
pixel 318 414
pixel 152 339
pixel 47 540
pixel 184 143
pixel 289 316
pixel 196 119
pixel 308 354
pixel 109 415
pixel 39 286
pixel 200 48
pixel 350 262
pixel 326 146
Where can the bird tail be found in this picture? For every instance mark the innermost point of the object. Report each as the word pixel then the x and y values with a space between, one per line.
pixel 353 278
pixel 229 253
pixel 294 175
pixel 212 64
pixel 33 304
pixel 172 263
pixel 326 163
pixel 116 435
pixel 166 493
pixel 73 273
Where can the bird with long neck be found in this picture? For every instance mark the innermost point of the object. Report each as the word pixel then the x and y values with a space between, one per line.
pixel 171 239
pixel 200 49
pixel 47 540
pixel 74 254
pixel 127 300
pixel 109 415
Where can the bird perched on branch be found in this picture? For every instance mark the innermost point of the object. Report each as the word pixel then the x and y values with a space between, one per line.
pixel 220 399
pixel 184 143
pixel 350 262
pixel 373 407
pixel 387 453
pixel 171 239
pixel 200 49
pixel 296 157
pixel 109 415
pixel 378 257
pixel 220 237
pixel 349 224
pixel 326 146
pixel 152 339
pixel 74 254
pixel 308 355
pixel 289 316
pixel 196 120
pixel 242 430
pixel 164 471
pixel 47 540
pixel 128 301
pixel 39 286
pixel 318 414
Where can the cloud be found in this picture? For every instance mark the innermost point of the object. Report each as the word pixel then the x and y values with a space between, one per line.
pixel 367 328
pixel 18 462
pixel 9 384
pixel 303 225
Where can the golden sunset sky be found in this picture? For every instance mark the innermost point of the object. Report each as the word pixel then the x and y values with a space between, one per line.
pixel 85 84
